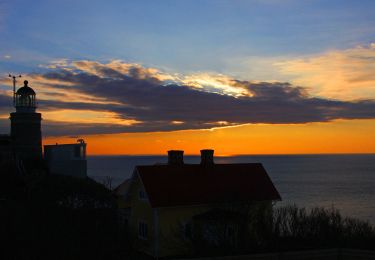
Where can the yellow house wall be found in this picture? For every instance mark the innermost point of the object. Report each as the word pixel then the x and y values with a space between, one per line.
pixel 171 236
pixel 140 211
pixel 170 221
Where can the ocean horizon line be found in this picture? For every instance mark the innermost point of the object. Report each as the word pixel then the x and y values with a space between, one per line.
pixel 230 155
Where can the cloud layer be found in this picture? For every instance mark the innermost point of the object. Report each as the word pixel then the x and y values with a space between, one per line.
pixel 342 74
pixel 89 97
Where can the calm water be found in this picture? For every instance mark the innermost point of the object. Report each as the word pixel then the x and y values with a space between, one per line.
pixel 345 181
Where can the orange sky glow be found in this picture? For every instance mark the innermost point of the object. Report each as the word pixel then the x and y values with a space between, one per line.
pixel 340 136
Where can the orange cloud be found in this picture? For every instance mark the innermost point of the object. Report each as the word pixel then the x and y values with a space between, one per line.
pixel 48 89
pixel 133 69
pixel 340 74
pixel 86 117
pixel 216 83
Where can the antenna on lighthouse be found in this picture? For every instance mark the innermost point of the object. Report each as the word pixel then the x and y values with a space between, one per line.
pixel 14 87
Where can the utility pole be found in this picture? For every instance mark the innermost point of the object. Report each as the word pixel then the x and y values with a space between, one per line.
pixel 14 87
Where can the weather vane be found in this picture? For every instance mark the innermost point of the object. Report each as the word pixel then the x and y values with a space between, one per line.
pixel 14 86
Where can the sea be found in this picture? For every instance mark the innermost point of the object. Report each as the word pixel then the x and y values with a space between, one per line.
pixel 343 181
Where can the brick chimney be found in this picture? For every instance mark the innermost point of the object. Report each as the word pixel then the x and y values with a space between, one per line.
pixel 207 157
pixel 175 157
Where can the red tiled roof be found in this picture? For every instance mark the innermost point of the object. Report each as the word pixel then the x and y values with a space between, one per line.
pixel 193 184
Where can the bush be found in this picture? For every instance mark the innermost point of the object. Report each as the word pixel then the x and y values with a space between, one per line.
pixel 287 228
pixel 298 228
pixel 59 217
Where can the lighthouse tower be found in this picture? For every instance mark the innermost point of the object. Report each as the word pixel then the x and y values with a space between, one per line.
pixel 26 125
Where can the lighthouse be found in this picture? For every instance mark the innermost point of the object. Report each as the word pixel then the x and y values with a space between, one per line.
pixel 25 128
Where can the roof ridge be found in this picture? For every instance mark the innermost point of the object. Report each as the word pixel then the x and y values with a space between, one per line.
pixel 172 185
pixel 196 164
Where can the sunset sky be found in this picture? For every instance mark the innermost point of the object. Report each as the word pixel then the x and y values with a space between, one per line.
pixel 241 77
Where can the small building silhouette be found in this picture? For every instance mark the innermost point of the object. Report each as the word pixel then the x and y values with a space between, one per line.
pixel 67 159
pixel 5 147
pixel 162 203
pixel 9 161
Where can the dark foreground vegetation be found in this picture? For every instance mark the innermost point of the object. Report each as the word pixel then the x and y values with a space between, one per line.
pixel 59 217
pixel 288 228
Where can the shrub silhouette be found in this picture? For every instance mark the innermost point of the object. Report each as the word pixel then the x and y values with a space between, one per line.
pixel 287 228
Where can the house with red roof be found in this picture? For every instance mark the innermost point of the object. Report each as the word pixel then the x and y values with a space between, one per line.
pixel 165 205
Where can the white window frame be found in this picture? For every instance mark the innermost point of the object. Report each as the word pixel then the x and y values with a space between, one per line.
pixel 142 230
pixel 142 195
pixel 187 225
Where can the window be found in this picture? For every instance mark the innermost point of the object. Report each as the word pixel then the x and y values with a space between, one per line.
pixel 142 195
pixel 142 230
pixel 187 229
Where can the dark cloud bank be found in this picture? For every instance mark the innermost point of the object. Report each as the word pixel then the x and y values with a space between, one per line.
pixel 156 105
